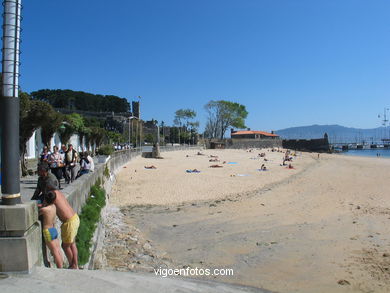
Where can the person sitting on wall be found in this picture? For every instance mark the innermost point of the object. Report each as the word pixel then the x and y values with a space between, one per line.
pixel 91 162
pixel 85 165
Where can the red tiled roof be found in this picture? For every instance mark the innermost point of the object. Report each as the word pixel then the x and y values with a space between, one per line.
pixel 254 132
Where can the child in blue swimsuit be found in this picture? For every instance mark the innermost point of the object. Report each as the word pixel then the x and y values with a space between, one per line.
pixel 50 234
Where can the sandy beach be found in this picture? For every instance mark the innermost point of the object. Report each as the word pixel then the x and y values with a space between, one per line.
pixel 320 227
pixel 169 183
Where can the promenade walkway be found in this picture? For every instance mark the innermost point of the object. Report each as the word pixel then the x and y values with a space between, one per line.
pixel 61 281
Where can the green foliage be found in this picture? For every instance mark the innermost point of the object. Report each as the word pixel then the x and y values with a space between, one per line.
pixel 78 100
pixel 150 138
pixel 106 150
pixel 73 123
pixel 50 124
pixel 183 116
pixel 115 137
pixel 89 217
pixel 106 171
pixel 222 115
pixel 188 128
pixel 35 114
pixel 93 122
pixel 97 135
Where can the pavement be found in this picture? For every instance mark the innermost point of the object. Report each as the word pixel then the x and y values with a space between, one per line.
pixel 55 280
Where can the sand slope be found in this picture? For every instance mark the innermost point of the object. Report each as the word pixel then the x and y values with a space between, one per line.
pixel 323 228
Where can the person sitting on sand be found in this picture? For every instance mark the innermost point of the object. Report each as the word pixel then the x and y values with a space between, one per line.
pixel 216 166
pixel 263 168
pixel 150 167
pixel 200 154
pixel 48 212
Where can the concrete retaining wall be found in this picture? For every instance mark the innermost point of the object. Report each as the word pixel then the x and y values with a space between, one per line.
pixel 309 145
pixel 253 143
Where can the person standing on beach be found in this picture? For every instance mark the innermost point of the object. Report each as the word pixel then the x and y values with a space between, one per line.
pixel 70 225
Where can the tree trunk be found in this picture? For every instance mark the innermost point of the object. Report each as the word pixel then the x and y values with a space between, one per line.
pixel 23 162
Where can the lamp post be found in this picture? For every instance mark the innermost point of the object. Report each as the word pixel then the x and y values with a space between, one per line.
pixel 9 104
pixel 131 130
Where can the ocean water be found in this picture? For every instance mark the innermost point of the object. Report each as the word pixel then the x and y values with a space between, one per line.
pixel 368 153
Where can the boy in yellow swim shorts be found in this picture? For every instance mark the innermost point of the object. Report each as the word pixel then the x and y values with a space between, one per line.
pixel 70 225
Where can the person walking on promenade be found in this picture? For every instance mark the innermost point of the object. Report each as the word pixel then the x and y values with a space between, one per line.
pixel 70 225
pixel 44 156
pixel 71 157
pixel 62 153
pixel 56 164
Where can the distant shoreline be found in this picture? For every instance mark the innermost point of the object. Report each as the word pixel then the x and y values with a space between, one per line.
pixel 370 153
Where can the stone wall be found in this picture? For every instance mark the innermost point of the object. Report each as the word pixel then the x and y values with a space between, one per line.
pixel 308 145
pixel 253 143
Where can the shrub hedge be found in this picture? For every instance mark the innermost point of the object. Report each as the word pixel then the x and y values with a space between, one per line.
pixel 89 217
pixel 106 150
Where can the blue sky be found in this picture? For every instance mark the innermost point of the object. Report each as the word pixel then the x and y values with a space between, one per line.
pixel 291 62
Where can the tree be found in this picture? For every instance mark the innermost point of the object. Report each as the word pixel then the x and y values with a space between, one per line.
pixel 222 115
pixel 78 100
pixel 183 119
pixel 50 124
pixel 115 137
pixel 34 114
pixel 73 123
pixel 97 136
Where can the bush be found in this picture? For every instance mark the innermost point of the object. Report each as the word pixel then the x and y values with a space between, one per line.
pixel 89 217
pixel 106 171
pixel 106 150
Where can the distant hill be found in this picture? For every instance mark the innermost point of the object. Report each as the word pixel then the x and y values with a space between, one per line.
pixel 336 133
pixel 77 100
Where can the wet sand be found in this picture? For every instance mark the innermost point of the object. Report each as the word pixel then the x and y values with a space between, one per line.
pixel 323 227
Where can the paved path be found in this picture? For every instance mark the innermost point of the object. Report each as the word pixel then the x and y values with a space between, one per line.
pixel 54 280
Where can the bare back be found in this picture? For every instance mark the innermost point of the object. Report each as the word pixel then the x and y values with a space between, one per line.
pixel 64 210
pixel 49 215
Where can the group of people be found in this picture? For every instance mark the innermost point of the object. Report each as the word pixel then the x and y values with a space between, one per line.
pixel 52 203
pixel 61 163
pixel 67 163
